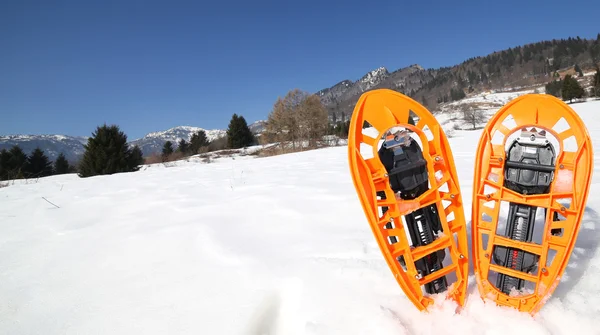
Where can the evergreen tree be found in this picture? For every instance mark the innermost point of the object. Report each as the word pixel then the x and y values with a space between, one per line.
pixel 596 83
pixel 16 163
pixel 571 89
pixel 457 94
pixel 61 165
pixel 106 152
pixel 578 70
pixel 38 164
pixel 238 133
pixel 198 141
pixel 554 88
pixel 136 158
pixel 183 146
pixel 167 150
pixel 4 164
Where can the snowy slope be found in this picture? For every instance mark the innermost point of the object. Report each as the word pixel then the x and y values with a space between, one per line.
pixel 248 246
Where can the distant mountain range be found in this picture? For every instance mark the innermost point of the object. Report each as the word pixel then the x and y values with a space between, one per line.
pixel 53 145
pixel 522 66
pixel 154 142
pixel 72 146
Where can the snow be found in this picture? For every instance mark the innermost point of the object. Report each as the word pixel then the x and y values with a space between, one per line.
pixel 171 134
pixel 274 245
pixel 373 77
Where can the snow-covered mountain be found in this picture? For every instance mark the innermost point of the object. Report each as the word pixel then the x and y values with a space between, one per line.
pixel 347 89
pixel 258 127
pixel 154 142
pixel 53 145
pixel 72 146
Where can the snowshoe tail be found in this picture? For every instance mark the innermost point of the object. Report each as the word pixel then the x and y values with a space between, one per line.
pixel 534 159
pixel 404 174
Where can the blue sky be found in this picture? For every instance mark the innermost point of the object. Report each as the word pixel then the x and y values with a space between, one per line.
pixel 69 66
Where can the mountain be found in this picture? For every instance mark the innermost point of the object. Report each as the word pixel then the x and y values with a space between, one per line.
pixel 523 66
pixel 72 146
pixel 154 142
pixel 258 127
pixel 53 145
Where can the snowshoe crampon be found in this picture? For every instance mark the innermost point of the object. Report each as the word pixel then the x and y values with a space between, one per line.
pixel 532 177
pixel 404 174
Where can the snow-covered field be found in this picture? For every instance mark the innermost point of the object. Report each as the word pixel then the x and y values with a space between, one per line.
pixel 275 245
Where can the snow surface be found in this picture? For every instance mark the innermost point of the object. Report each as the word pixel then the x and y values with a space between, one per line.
pixel 275 245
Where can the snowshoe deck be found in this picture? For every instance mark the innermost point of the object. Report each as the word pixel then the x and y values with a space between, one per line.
pixel 410 194
pixel 534 159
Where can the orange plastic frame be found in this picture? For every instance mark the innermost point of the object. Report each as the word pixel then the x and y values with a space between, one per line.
pixel 572 178
pixel 383 109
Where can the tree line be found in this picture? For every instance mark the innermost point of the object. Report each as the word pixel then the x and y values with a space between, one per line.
pixel 107 152
pixel 15 164
pixel 238 135
pixel 297 121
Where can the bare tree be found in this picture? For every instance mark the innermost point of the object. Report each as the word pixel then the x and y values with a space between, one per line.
pixel 472 116
pixel 312 119
pixel 298 117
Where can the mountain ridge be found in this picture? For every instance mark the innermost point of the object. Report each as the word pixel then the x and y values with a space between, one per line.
pixel 527 65
pixel 73 146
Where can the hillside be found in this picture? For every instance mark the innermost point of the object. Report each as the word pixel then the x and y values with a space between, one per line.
pixel 161 251
pixel 519 67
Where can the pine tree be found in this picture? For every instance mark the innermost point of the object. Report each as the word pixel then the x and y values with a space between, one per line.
pixel 38 164
pixel 571 89
pixel 136 158
pixel 578 70
pixel 4 164
pixel 16 163
pixel 183 146
pixel 596 83
pixel 106 152
pixel 554 88
pixel 167 150
pixel 238 133
pixel 61 165
pixel 198 141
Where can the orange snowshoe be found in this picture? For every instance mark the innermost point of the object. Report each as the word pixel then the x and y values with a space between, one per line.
pixel 404 174
pixel 532 177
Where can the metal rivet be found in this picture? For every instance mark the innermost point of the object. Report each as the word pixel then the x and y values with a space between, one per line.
pixel 437 158
pixel 451 196
pixel 544 270
pixel 562 209
pixel 499 159
pixel 487 255
pixel 461 256
pixel 562 166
